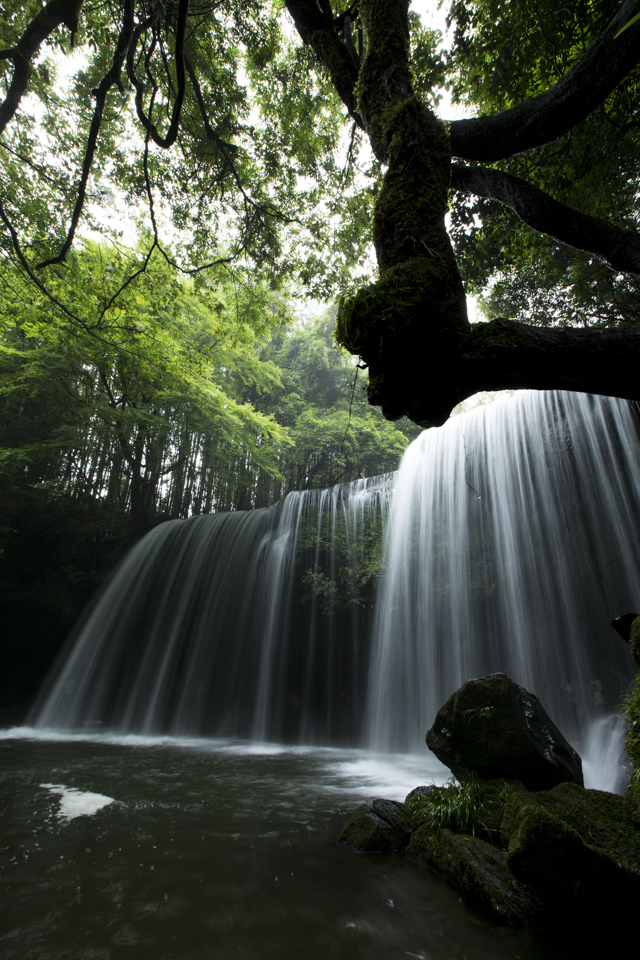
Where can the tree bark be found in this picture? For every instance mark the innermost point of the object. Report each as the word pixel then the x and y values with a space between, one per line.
pixel 55 13
pixel 619 248
pixel 504 354
pixel 556 111
pixel 418 301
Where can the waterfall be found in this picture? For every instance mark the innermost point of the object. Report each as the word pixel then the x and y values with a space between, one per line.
pixel 506 542
pixel 248 624
pixel 513 540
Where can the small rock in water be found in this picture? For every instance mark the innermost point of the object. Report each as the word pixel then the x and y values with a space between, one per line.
pixel 383 826
pixel 498 729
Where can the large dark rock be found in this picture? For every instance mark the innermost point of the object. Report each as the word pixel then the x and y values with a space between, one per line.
pixel 628 626
pixel 498 729
pixel 479 872
pixel 579 850
pixel 383 826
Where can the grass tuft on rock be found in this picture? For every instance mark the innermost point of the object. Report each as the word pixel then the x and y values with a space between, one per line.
pixel 468 805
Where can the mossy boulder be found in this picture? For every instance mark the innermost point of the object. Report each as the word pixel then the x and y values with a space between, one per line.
pixel 578 849
pixel 498 729
pixel 479 872
pixel 383 826
pixel 634 642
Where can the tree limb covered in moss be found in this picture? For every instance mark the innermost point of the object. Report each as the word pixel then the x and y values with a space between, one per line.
pixel 558 110
pixel 619 248
pixel 506 355
pixel 55 14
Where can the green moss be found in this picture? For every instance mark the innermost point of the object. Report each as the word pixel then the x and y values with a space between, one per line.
pixel 632 710
pixel 478 871
pixel 574 847
pixel 634 642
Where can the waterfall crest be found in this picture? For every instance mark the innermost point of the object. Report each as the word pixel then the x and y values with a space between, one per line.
pixel 510 540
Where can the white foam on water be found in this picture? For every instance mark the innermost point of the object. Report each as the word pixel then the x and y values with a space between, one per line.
pixel 388 775
pixel 76 803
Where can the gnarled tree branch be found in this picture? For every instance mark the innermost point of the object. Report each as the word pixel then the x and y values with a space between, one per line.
pixel 620 249
pixel 55 13
pixel 556 111
pixel 170 138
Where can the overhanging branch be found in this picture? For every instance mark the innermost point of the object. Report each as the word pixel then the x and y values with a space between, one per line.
pixel 318 29
pixel 620 249
pixel 556 111
pixel 504 354
pixel 55 13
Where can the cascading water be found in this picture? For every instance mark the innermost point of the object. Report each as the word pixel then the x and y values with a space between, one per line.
pixel 248 624
pixel 511 540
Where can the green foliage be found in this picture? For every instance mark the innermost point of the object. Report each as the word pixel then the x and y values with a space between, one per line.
pixel 503 54
pixel 337 436
pixel 468 806
pixel 145 407
pixel 257 173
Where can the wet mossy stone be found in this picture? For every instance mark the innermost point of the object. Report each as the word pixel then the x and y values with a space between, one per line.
pixel 383 826
pixel 478 871
pixel 634 642
pixel 578 849
pixel 628 626
pixel 500 730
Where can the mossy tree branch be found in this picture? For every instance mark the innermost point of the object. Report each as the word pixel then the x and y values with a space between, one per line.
pixel 506 355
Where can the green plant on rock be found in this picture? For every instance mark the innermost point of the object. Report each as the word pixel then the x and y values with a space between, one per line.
pixel 470 806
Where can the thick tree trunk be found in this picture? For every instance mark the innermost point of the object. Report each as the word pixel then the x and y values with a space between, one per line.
pixel 410 327
pixel 418 306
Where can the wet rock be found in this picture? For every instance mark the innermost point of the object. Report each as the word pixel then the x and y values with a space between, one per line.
pixel 498 729
pixel 578 849
pixel 628 626
pixel 383 826
pixel 479 872
pixel 418 792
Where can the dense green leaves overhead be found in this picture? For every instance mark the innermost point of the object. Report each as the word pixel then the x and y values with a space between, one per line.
pixel 503 54
pixel 240 136
pixel 250 163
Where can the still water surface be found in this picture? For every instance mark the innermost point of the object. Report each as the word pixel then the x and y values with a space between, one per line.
pixel 211 850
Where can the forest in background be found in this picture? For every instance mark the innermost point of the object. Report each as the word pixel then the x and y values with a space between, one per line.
pixel 198 395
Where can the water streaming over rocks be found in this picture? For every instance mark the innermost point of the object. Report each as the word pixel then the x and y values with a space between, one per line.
pixel 506 542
